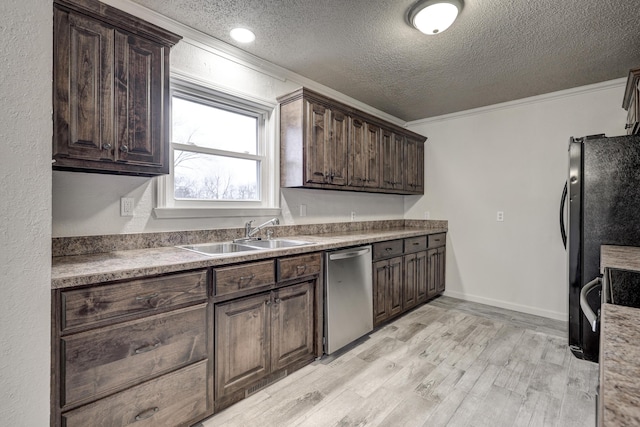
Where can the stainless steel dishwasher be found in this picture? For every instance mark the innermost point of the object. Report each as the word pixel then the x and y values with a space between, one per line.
pixel 348 307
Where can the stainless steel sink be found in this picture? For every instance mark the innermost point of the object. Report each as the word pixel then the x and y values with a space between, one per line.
pixel 252 245
pixel 218 248
pixel 276 243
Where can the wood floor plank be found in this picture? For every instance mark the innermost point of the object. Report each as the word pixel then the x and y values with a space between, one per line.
pixel 549 378
pixel 538 410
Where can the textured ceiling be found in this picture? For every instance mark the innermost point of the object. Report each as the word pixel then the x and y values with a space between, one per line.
pixel 497 50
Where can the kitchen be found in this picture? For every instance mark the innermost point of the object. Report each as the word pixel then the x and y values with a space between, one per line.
pixel 470 168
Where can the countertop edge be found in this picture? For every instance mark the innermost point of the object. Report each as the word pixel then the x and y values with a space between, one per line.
pixel 80 270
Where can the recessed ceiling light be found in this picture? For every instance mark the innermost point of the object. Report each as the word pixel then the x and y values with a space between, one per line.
pixel 434 16
pixel 242 35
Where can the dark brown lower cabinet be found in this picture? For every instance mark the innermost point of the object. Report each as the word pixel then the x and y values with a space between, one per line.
pixel 387 289
pixel 406 273
pixel 415 285
pixel 133 352
pixel 169 400
pixel 436 278
pixel 259 338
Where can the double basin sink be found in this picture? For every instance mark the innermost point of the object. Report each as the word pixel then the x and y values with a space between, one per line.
pixel 223 248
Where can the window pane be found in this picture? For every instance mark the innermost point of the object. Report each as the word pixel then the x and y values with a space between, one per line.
pixel 208 177
pixel 206 126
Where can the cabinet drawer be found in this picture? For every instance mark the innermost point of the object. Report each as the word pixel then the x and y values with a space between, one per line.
pixel 108 359
pixel 299 266
pixel 415 244
pixel 437 240
pixel 175 399
pixel 91 305
pixel 241 277
pixel 387 249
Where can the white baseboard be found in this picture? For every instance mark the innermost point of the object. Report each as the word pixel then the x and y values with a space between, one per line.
pixel 509 306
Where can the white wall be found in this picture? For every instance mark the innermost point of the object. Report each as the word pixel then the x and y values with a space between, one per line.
pixel 512 158
pixel 25 211
pixel 89 204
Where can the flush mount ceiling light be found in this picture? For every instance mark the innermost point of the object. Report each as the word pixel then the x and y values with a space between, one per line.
pixel 242 35
pixel 434 16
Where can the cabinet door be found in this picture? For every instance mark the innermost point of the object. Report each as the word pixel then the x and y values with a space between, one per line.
pixel 315 141
pixel 139 100
pixel 364 154
pixel 441 269
pixel 410 285
pixel 392 147
pixel 395 286
pixel 336 150
pixel 83 88
pixel 242 343
pixel 414 159
pixel 293 331
pixel 380 306
pixel 432 273
pixel 422 270
pixel 357 153
pixel 372 162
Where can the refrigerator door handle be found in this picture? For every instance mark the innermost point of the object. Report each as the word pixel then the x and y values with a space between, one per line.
pixel 563 229
pixel 584 304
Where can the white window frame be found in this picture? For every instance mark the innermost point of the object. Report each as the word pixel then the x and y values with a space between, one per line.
pixel 190 88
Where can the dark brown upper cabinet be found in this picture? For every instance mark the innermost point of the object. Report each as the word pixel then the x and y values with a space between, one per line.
pixel 111 91
pixel 328 145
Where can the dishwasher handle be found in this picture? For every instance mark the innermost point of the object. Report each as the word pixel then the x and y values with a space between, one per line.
pixel 584 304
pixel 350 254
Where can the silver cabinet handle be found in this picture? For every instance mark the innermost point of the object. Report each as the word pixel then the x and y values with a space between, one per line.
pixel 146 413
pixel 106 146
pixel 146 348
pixel 584 304
pixel 124 148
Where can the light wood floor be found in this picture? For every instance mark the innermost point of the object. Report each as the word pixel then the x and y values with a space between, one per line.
pixel 447 363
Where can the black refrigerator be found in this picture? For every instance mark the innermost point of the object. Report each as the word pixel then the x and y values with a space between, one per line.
pixel 603 207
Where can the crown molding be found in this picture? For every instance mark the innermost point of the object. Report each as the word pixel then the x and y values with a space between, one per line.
pixel 524 101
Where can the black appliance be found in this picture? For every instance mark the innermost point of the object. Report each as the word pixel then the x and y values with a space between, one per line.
pixel 603 208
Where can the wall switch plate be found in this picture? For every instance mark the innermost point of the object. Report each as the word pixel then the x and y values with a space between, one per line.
pixel 427 215
pixel 126 206
pixel 303 210
pixel 500 216
pixel 353 216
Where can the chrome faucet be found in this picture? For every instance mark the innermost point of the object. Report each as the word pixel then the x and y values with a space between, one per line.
pixel 249 232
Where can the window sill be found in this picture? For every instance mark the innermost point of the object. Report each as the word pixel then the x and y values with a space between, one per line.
pixel 171 213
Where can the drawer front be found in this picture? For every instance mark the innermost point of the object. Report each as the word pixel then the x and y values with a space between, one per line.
pixel 415 244
pixel 437 240
pixel 88 306
pixel 299 266
pixel 108 359
pixel 175 399
pixel 387 249
pixel 241 277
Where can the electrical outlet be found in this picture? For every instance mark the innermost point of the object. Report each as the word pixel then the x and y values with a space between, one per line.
pixel 353 216
pixel 500 216
pixel 126 206
pixel 427 215
pixel 303 210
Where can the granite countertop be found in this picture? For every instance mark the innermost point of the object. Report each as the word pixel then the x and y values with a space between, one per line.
pixel 619 350
pixel 620 365
pixel 623 257
pixel 76 270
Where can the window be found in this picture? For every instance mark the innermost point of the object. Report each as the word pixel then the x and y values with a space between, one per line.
pixel 223 154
